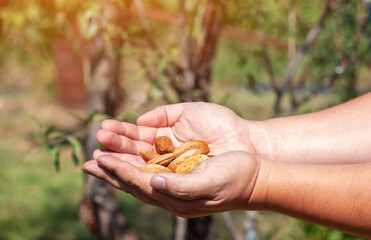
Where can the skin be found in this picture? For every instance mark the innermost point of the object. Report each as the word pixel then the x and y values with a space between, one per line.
pixel 315 167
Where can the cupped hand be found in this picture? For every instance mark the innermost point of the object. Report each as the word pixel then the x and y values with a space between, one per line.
pixel 219 126
pixel 222 183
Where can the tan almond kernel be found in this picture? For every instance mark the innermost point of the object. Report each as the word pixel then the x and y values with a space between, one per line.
pixel 163 159
pixel 155 168
pixel 148 155
pixel 164 145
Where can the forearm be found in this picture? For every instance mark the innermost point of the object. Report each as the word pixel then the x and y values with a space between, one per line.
pixel 336 135
pixel 336 196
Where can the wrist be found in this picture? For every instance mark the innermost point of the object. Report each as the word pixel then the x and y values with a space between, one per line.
pixel 258 198
pixel 259 139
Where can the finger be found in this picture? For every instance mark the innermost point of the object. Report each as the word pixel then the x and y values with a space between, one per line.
pixel 188 186
pixel 130 175
pixel 133 159
pixel 126 172
pixel 135 177
pixel 92 168
pixel 201 183
pixel 121 144
pixel 164 116
pixel 138 133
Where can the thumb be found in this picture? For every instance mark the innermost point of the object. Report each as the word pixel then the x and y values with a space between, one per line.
pixel 164 116
pixel 189 186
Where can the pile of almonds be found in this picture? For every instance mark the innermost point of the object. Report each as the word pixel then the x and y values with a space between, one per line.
pixel 182 160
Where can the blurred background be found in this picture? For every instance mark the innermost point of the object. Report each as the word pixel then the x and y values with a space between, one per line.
pixel 67 65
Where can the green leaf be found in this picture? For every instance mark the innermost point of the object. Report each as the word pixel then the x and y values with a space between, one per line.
pixel 55 152
pixel 37 138
pixel 34 152
pixel 129 116
pixel 76 149
pixel 76 159
pixel 95 117
pixel 48 130
pixel 57 134
pixel 102 147
pixel 100 117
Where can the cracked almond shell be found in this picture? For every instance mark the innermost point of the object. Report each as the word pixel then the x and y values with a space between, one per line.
pixel 197 144
pixel 190 164
pixel 183 157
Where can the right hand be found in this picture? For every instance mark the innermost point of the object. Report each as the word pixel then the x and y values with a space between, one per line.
pixel 218 126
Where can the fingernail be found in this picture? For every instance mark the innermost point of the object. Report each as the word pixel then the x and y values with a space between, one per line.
pixel 158 183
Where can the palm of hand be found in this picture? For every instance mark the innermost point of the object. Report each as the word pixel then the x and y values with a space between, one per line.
pixel 220 127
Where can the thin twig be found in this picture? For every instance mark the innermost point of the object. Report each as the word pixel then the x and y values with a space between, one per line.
pixel 309 40
pixel 141 14
pixel 231 226
pixel 189 77
pixel 152 79
pixel 269 66
pixel 63 139
pixel 294 63
pixel 182 39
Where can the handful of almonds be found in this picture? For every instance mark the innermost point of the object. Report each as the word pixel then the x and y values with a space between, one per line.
pixel 182 160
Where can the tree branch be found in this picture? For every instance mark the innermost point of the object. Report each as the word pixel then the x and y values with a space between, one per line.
pixel 294 63
pixel 329 81
pixel 189 77
pixel 269 66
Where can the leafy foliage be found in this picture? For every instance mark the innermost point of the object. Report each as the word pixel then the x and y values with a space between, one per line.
pixel 51 140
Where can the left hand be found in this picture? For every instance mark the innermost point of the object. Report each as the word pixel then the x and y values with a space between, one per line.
pixel 222 183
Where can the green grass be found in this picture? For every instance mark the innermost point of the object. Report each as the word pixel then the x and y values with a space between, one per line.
pixel 37 202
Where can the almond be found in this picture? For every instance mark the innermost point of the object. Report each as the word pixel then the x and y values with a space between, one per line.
pixel 201 145
pixel 148 155
pixel 164 145
pixel 190 164
pixel 163 159
pixel 155 168
pixel 183 157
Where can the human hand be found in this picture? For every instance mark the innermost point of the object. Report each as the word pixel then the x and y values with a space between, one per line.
pixel 218 126
pixel 222 183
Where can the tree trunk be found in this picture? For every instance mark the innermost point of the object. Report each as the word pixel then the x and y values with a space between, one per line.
pixel 100 209
pixel 196 75
pixel 193 228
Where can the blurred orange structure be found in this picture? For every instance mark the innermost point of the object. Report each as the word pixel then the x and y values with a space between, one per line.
pixel 70 74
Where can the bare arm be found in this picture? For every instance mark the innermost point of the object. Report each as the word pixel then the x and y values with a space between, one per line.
pixel 336 196
pixel 333 136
